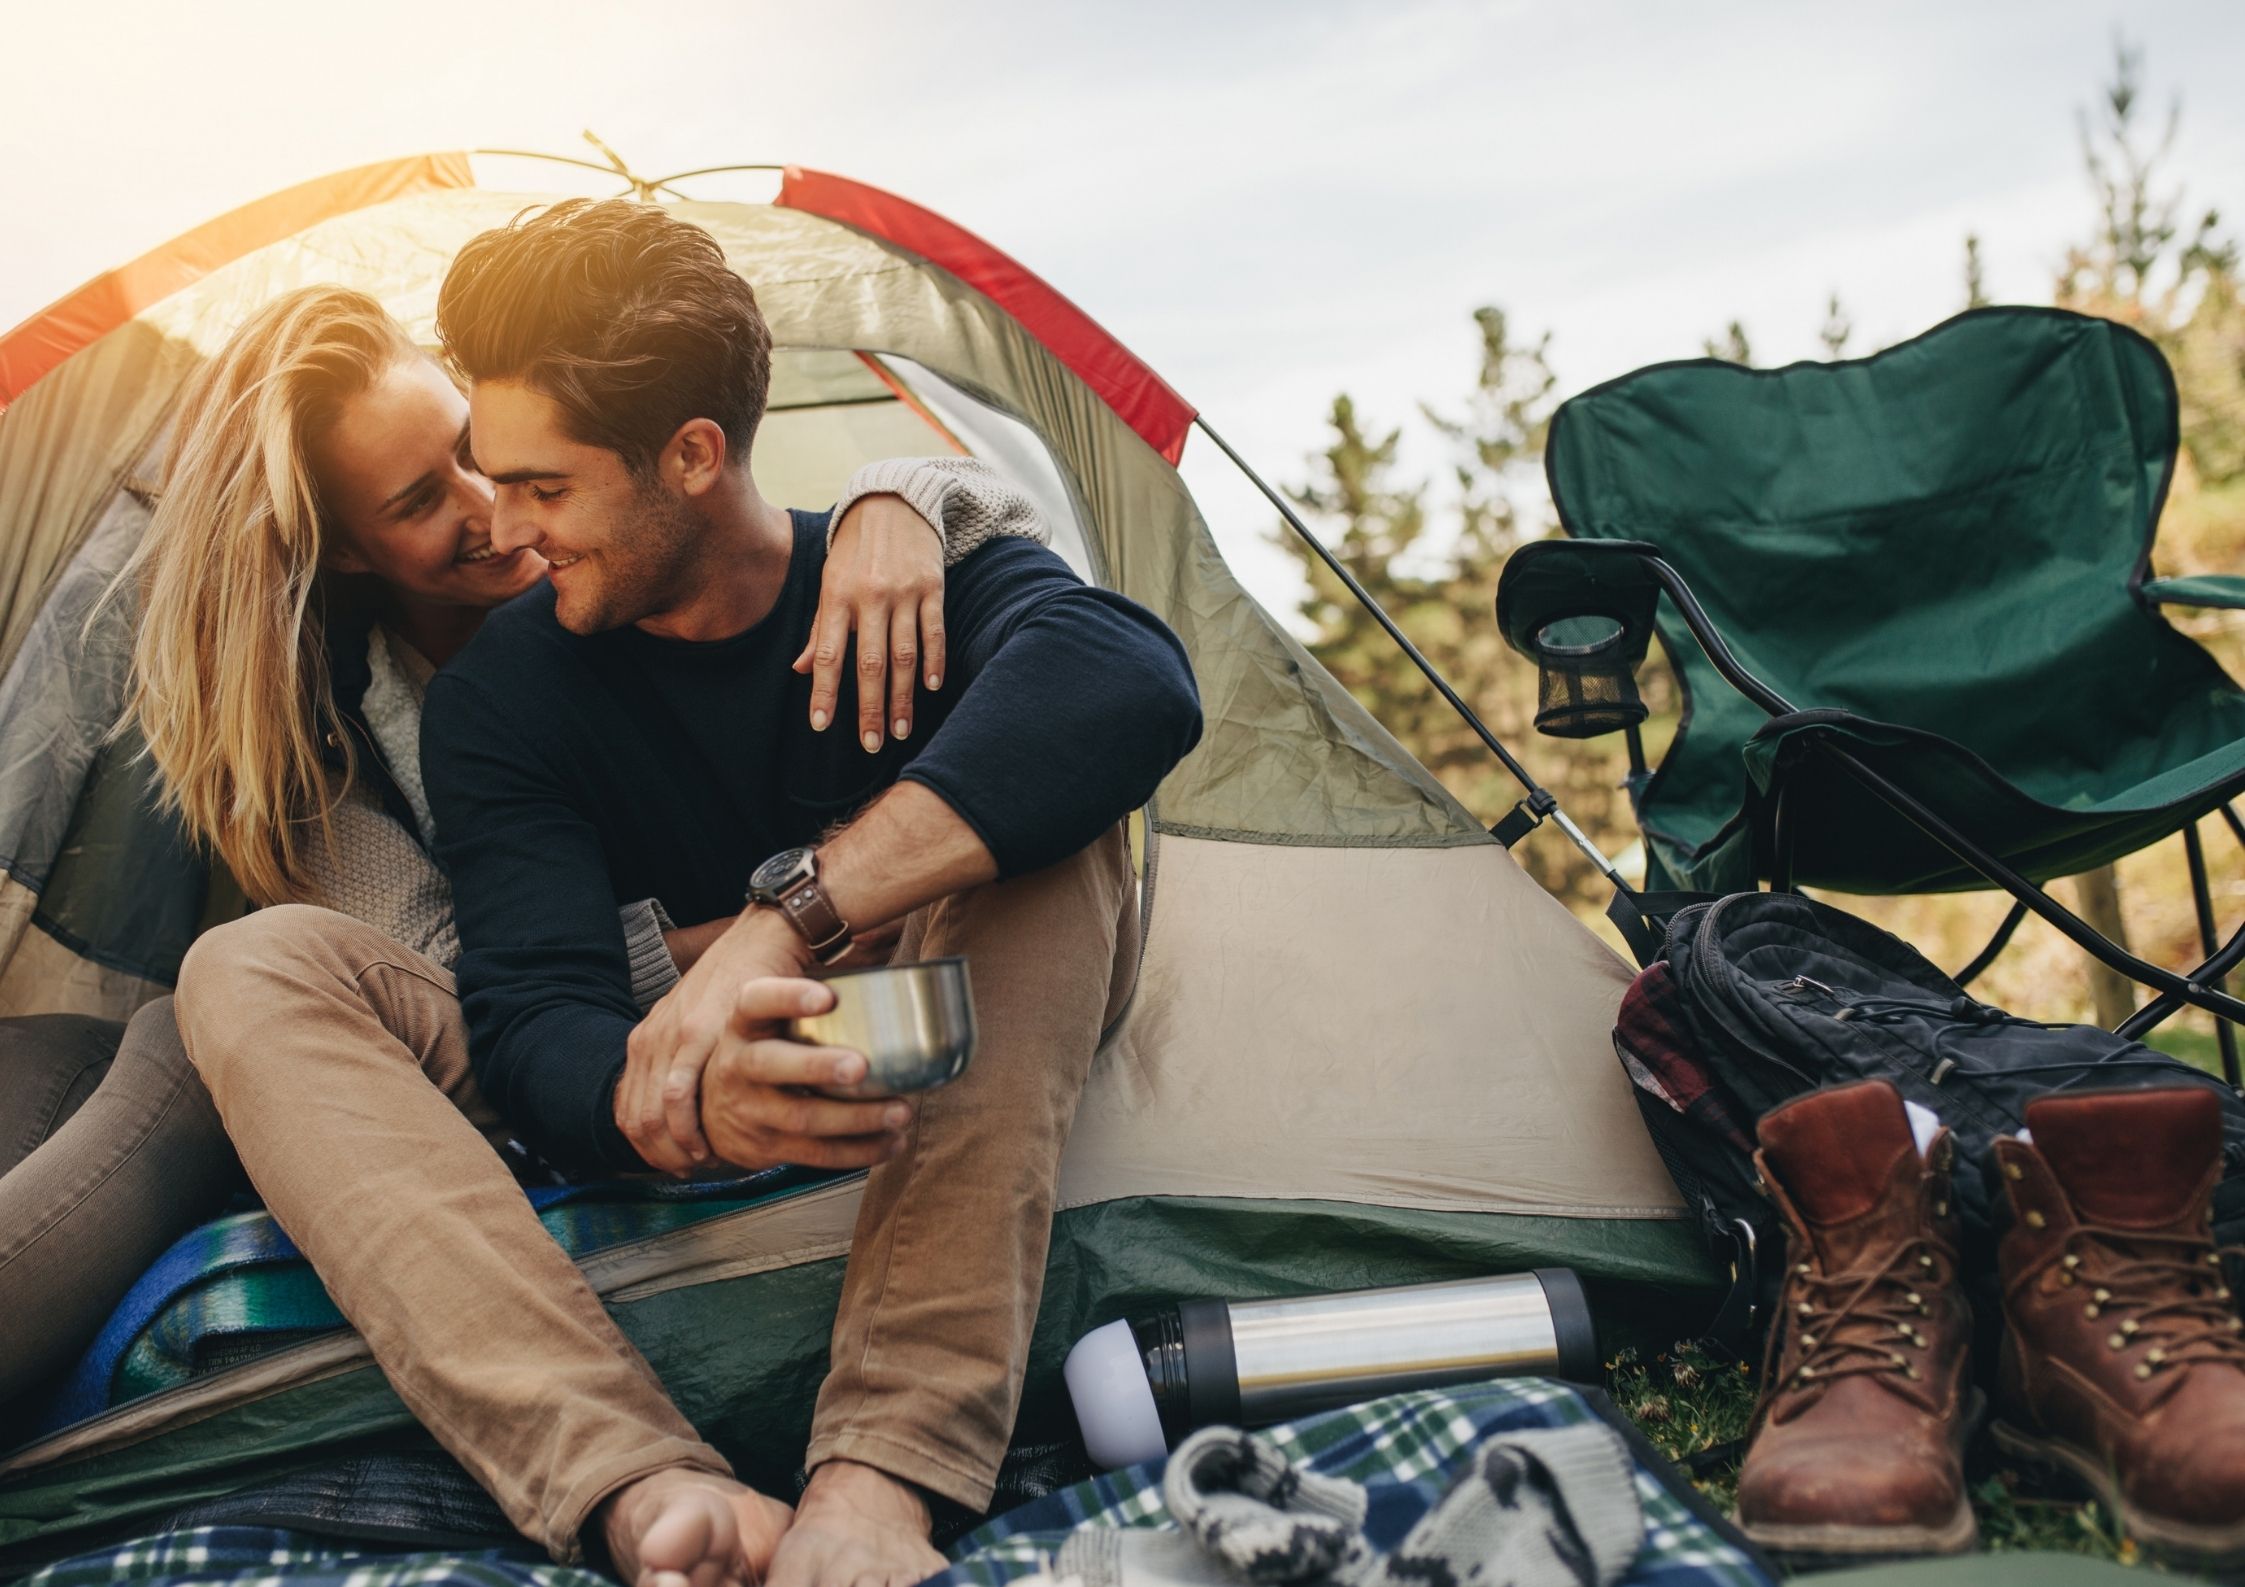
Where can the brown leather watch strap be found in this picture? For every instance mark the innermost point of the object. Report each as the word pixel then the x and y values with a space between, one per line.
pixel 813 914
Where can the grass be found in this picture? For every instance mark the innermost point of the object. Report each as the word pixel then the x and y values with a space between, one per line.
pixel 2194 1047
pixel 1692 1403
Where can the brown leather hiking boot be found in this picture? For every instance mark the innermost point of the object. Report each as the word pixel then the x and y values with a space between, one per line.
pixel 2124 1364
pixel 1858 1444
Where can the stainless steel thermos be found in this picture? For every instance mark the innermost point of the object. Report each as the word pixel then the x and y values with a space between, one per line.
pixel 1140 1385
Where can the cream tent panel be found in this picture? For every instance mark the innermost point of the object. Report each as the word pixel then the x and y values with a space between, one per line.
pixel 1401 1028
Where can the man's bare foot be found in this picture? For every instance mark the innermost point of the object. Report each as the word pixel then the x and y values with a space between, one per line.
pixel 689 1528
pixel 856 1527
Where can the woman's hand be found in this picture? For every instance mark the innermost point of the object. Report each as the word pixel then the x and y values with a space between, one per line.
pixel 884 580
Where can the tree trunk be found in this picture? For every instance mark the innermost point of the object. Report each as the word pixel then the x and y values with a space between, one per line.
pixel 2098 893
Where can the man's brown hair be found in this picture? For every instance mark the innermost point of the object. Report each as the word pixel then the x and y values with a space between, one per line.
pixel 628 318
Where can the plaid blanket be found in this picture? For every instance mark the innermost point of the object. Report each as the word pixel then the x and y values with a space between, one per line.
pixel 1406 1450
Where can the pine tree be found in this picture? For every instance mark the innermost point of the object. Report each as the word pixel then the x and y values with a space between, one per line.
pixel 1440 587
pixel 1975 291
pixel 2180 289
pixel 2139 220
pixel 1732 347
pixel 1836 330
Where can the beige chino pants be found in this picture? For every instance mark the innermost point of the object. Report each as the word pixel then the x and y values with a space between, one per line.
pixel 339 1063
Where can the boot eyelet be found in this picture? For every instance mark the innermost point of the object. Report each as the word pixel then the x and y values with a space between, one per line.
pixel 2116 1341
pixel 2129 1327
pixel 1940 1209
pixel 2221 1292
pixel 2066 1279
pixel 2155 1355
pixel 1801 1268
pixel 1911 1373
pixel 2036 1220
pixel 1924 1260
pixel 1899 1359
pixel 2142 1370
pixel 2091 1309
pixel 2013 1172
pixel 2100 1295
pixel 2236 1326
pixel 1808 1342
pixel 1805 1309
pixel 1806 1373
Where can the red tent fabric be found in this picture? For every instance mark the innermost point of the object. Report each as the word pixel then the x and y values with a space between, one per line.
pixel 1140 397
pixel 43 341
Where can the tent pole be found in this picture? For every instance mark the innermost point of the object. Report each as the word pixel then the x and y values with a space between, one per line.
pixel 1539 803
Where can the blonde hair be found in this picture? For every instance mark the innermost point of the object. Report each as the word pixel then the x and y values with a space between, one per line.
pixel 229 683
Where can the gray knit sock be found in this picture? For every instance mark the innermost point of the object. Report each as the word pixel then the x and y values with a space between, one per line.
pixel 1261 1517
pixel 1091 1556
pixel 1545 1508
pixel 1551 1508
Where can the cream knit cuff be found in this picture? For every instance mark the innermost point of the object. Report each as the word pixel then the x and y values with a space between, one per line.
pixel 969 502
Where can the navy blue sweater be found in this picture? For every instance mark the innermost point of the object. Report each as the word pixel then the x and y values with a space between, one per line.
pixel 567 772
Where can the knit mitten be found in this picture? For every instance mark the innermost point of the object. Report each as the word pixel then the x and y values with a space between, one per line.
pixel 1550 1508
pixel 1262 1518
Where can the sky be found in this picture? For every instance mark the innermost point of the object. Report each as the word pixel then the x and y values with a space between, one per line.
pixel 1270 201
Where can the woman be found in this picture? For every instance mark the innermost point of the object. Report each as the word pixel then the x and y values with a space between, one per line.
pixel 320 549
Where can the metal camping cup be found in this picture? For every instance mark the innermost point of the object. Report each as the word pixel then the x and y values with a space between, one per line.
pixel 913 1022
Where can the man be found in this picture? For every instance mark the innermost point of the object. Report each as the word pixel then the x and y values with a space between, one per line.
pixel 635 729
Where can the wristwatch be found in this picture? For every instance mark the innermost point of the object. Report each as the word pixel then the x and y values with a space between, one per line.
pixel 788 882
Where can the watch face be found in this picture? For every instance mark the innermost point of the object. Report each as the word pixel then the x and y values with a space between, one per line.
pixel 779 870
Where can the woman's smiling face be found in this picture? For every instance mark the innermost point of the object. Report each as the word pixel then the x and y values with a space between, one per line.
pixel 403 500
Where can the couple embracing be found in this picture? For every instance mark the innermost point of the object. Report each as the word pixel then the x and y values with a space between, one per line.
pixel 519 713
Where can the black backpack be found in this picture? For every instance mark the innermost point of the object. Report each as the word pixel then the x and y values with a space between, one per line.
pixel 1762 997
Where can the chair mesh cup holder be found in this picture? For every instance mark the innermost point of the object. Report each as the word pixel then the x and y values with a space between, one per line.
pixel 1586 677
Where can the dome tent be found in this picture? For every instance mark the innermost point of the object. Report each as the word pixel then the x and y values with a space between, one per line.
pixel 1366 1048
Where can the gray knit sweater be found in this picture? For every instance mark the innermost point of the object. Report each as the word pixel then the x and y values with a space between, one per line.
pixel 379 873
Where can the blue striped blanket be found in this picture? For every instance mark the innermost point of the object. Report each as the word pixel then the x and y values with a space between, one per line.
pixel 237 1286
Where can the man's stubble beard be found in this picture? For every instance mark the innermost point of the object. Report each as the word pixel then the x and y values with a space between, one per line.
pixel 649 566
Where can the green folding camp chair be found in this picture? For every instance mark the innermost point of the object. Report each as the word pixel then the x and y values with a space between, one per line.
pixel 1907 598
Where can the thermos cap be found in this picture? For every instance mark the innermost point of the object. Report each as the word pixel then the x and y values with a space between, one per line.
pixel 1114 1403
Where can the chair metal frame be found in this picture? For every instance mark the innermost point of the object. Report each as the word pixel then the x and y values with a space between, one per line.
pixel 2200 987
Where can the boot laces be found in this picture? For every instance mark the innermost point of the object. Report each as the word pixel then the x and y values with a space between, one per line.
pixel 2166 1292
pixel 1858 1322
